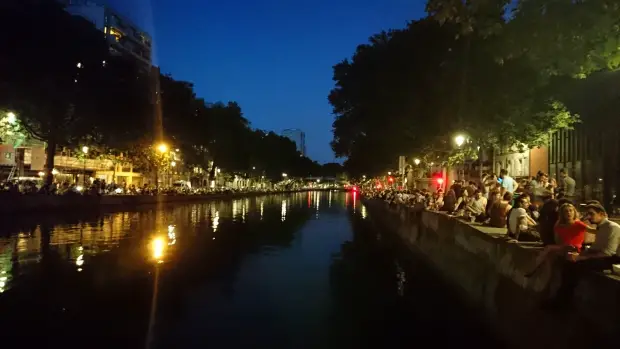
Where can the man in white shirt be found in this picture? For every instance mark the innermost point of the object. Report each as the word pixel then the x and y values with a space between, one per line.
pixel 606 246
pixel 519 221
pixel 508 182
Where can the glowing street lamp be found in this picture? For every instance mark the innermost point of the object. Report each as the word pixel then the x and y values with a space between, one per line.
pixel 389 173
pixel 162 148
pixel 284 175
pixel 254 167
pixel 11 118
pixel 85 151
pixel 459 140
pixel 173 163
pixel 416 161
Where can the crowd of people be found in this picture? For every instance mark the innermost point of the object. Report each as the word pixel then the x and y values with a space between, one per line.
pixel 538 210
pixel 100 187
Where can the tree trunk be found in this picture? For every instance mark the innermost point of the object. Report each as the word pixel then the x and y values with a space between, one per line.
pixel 50 151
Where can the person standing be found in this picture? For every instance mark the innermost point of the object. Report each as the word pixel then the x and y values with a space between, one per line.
pixel 567 185
pixel 508 182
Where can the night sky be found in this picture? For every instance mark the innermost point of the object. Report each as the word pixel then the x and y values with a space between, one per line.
pixel 274 57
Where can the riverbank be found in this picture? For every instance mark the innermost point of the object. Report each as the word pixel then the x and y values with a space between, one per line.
pixel 44 203
pixel 490 273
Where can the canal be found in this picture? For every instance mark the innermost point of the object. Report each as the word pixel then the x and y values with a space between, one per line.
pixel 303 270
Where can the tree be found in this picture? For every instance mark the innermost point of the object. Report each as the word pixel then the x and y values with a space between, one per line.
pixel 394 99
pixel 59 98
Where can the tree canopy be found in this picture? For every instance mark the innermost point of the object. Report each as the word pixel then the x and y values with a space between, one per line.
pixel 496 71
pixel 69 89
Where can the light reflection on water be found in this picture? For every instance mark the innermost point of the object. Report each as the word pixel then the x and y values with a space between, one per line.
pixel 81 240
pixel 202 269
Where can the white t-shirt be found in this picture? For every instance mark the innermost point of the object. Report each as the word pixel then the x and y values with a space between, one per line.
pixel 509 184
pixel 607 238
pixel 516 216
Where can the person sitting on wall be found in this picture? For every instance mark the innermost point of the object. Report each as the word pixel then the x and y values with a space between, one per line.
pixel 476 208
pixel 547 219
pixel 462 201
pixel 449 202
pixel 604 253
pixel 499 211
pixel 521 227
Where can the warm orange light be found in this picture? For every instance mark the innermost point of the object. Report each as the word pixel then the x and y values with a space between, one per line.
pixel 162 148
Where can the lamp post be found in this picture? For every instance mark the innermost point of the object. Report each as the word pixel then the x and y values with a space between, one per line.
pixel 162 148
pixel 84 151
pixel 173 164
pixel 459 140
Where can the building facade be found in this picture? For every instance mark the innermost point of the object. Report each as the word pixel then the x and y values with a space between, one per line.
pixel 581 156
pixel 298 136
pixel 123 36
pixel 521 164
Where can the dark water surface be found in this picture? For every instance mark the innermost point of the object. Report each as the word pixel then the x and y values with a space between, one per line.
pixel 305 270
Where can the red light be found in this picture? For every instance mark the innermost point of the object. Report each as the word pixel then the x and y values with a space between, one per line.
pixel 390 179
pixel 354 188
pixel 378 186
pixel 440 181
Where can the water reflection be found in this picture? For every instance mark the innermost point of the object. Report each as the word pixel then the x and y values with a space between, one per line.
pixel 215 218
pixel 268 268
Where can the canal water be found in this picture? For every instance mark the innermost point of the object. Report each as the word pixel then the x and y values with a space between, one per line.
pixel 305 270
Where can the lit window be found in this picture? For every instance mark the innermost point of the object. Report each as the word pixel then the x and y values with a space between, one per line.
pixel 116 34
pixel 8 156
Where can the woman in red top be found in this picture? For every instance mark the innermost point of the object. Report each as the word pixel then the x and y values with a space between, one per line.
pixel 569 230
pixel 569 234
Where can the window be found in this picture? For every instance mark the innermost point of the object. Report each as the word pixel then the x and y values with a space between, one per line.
pixel 116 34
pixel 8 156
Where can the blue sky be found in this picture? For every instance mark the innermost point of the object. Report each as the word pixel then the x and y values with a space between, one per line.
pixel 274 57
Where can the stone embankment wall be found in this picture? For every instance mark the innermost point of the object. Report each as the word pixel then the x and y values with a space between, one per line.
pixel 490 273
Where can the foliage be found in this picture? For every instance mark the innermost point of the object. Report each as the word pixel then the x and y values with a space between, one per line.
pixel 494 70
pixel 82 94
pixel 71 95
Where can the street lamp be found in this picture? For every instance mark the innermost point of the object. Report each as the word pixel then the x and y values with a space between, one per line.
pixel 85 151
pixel 416 161
pixel 389 173
pixel 459 140
pixel 254 167
pixel 162 148
pixel 173 164
pixel 284 175
pixel 11 118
